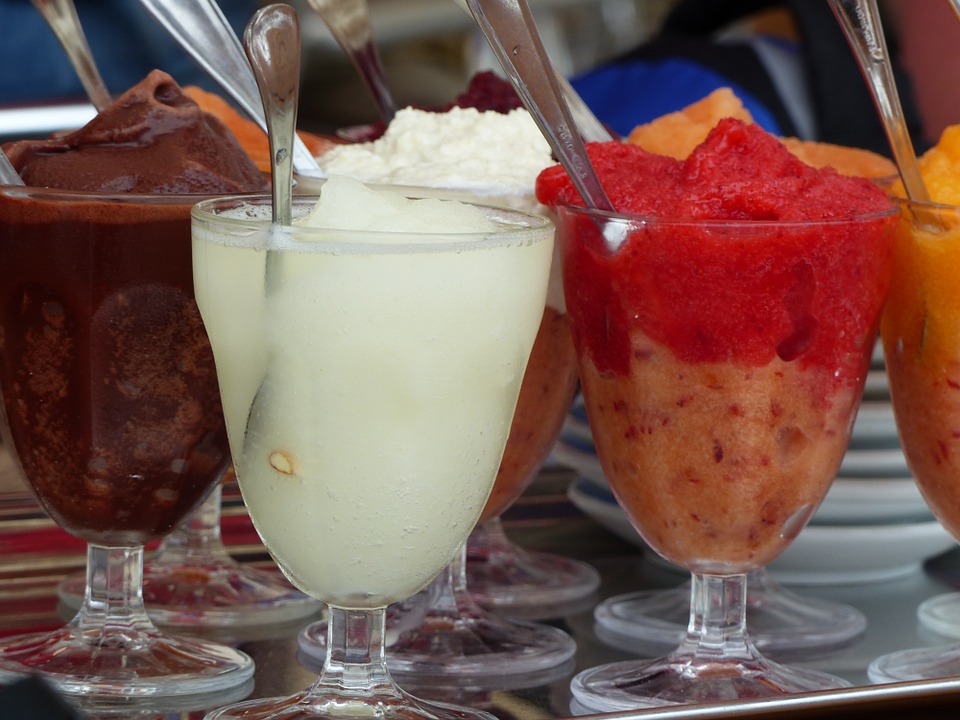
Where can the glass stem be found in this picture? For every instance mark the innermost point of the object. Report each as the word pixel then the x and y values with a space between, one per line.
pixel 453 599
pixel 488 540
pixel 457 568
pixel 718 619
pixel 113 600
pixel 355 660
pixel 197 538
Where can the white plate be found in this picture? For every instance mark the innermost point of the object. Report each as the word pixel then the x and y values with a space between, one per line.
pixel 821 555
pixel 874 463
pixel 877 384
pixel 577 453
pixel 876 423
pixel 838 555
pixel 870 501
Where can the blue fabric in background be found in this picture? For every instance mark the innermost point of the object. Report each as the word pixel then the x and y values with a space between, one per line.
pixel 625 95
pixel 126 41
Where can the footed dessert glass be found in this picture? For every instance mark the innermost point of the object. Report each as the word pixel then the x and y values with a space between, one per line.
pixel 368 391
pixel 722 363
pixel 921 343
pixel 111 410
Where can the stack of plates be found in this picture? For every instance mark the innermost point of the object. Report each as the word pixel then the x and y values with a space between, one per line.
pixel 873 524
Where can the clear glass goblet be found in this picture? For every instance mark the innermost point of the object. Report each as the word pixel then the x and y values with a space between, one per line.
pixel 192 581
pixel 722 364
pixel 111 409
pixel 368 381
pixel 921 342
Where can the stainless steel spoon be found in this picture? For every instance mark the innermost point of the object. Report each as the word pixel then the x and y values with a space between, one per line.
pixel 202 30
pixel 272 43
pixel 512 34
pixel 349 23
pixel 8 174
pixel 591 129
pixel 861 24
pixel 61 16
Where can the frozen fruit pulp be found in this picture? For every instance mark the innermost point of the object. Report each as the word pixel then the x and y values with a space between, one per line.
pixel 719 410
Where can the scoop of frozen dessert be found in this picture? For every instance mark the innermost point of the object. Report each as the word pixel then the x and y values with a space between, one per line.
pixel 348 204
pixel 463 148
pixel 152 139
pixel 740 172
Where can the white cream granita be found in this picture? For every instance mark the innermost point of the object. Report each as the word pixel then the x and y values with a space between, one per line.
pixel 462 148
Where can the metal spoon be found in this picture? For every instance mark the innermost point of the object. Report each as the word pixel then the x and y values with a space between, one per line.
pixel 272 43
pixel 8 173
pixel 202 30
pixel 512 34
pixel 61 15
pixel 861 24
pixel 591 129
pixel 349 23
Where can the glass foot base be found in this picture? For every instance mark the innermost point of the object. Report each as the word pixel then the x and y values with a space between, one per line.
pixel 926 663
pixel 221 593
pixel 941 614
pixel 310 706
pixel 124 663
pixel 781 624
pixel 528 581
pixel 477 646
pixel 672 680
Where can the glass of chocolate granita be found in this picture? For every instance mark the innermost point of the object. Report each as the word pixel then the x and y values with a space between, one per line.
pixel 111 409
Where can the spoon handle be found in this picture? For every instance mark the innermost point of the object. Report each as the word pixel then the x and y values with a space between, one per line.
pixel 861 24
pixel 61 16
pixel 8 173
pixel 349 23
pixel 512 34
pixel 272 43
pixel 202 30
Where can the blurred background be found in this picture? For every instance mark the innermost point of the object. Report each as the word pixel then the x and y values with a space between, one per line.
pixel 430 49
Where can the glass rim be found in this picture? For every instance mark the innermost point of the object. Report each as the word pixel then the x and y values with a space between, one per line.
pixel 513 231
pixel 47 193
pixel 722 223
pixel 926 204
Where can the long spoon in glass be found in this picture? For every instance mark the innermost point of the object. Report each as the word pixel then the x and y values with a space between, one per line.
pixel 61 16
pixel 349 23
pixel 510 30
pixel 202 30
pixel 8 173
pixel 272 45
pixel 860 20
